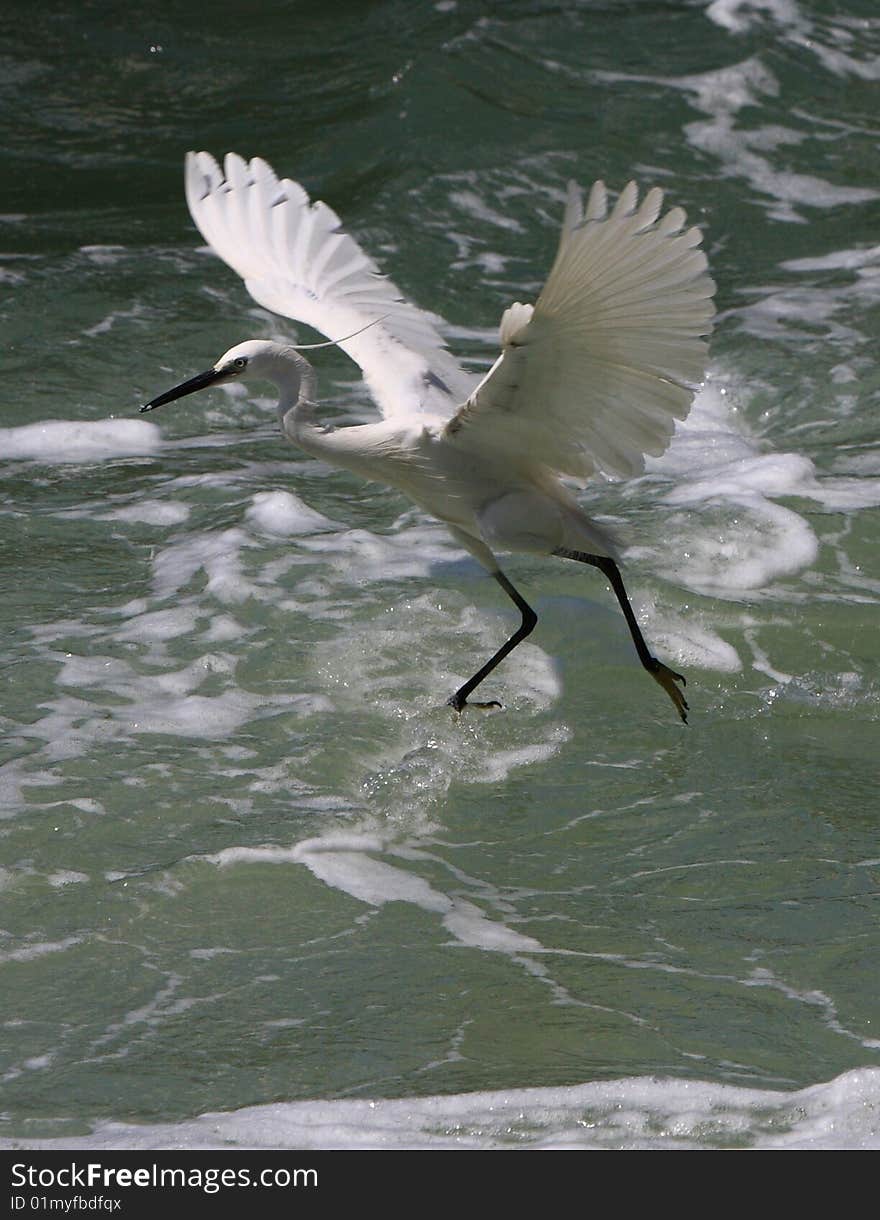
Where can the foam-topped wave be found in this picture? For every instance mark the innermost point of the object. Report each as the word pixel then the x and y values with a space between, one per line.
pixel 628 1114
pixel 729 536
pixel 59 440
pixel 732 539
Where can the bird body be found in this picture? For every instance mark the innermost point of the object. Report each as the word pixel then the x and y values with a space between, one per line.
pixel 496 504
pixel 590 379
pixel 514 505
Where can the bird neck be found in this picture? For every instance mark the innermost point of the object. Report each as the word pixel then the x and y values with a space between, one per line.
pixel 297 382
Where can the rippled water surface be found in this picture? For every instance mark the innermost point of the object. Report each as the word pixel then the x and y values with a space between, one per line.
pixel 249 861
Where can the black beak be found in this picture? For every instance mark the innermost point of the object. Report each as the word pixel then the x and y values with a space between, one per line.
pixel 199 382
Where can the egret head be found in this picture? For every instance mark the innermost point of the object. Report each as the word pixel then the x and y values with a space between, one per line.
pixel 255 358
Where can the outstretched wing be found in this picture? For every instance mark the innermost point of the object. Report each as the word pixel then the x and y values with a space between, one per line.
pixel 595 374
pixel 296 261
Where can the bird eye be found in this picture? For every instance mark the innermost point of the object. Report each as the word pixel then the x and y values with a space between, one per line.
pixel 239 363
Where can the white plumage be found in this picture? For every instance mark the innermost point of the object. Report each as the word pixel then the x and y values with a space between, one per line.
pixel 295 260
pixel 595 374
pixel 590 378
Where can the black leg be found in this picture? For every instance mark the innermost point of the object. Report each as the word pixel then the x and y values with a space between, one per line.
pixel 529 618
pixel 661 673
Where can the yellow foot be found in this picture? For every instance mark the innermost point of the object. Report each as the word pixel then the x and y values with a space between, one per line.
pixel 667 678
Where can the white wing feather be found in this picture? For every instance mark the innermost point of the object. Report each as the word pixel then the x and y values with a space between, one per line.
pixel 296 261
pixel 595 374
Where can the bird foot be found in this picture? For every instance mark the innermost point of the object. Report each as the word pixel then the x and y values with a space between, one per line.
pixel 667 678
pixel 460 704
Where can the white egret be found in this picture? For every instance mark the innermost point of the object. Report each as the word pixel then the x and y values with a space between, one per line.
pixel 590 378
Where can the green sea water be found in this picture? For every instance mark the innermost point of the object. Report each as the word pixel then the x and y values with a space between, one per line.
pixel 247 856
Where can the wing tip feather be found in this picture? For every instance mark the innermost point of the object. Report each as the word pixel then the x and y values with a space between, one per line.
pixel 624 313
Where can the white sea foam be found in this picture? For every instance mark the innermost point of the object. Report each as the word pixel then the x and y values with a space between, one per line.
pixel 474 205
pixel 688 641
pixel 713 460
pixel 218 555
pixel 59 440
pixel 103 255
pixel 344 862
pixel 163 702
pixel 733 538
pixel 13 779
pixel 158 625
pixel 745 152
pixel 762 543
pixel 641 1112
pixel 39 948
pixel 70 728
pixel 222 629
pixel 280 512
pixel 738 16
pixel 136 313
pixel 838 260
pixel 66 876
pixel 365 556
pixel 150 512
pixel 796 312
pixel 742 151
pixel 499 764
